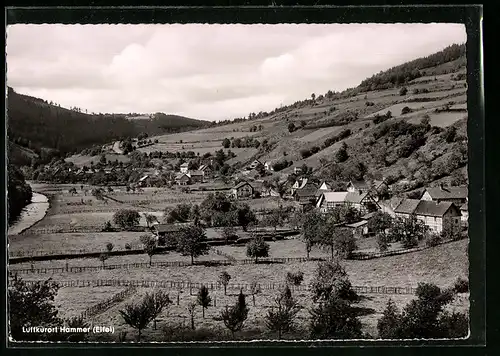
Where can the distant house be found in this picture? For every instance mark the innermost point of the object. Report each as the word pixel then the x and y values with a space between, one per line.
pixel 297 170
pixel 306 193
pixel 242 190
pixel 299 184
pixel 268 166
pixel 358 186
pixel 207 170
pixel 359 229
pixel 255 165
pixel 389 206
pixel 184 167
pixel 377 187
pixel 269 192
pixel 431 213
pixel 182 179
pixel 167 233
pixel 362 202
pixel 464 210
pixel 325 186
pixel 457 195
pixel 142 180
pixel 196 176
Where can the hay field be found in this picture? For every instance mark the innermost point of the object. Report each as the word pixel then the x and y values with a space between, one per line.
pixel 80 160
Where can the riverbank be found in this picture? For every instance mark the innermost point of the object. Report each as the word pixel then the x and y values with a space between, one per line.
pixel 31 214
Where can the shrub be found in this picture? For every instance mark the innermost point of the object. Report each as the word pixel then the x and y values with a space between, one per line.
pixel 403 91
pixel 127 246
pixel 126 218
pixel 295 278
pixel 291 127
pixel 405 110
pixel 433 240
pixel 461 285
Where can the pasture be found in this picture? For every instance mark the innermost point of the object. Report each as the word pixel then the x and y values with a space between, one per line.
pixel 83 160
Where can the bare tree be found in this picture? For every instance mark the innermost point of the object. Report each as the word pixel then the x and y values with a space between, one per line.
pixel 281 318
pixel 224 278
pixel 254 289
pixel 191 309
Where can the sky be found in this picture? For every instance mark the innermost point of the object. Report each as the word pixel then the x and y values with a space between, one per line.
pixel 208 72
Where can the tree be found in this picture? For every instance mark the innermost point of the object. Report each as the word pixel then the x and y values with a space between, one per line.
pixel 192 242
pixel 32 305
pixel 282 319
pixel 254 289
pixel 275 218
pixel 150 219
pixel 191 309
pixel 195 214
pixel 103 257
pixel 313 96
pixel 229 233
pixel 126 218
pixel 403 91
pixel 109 247
pixel 424 317
pixel 138 316
pixel 235 316
pixel 451 231
pixel 224 278
pixel 382 241
pixel 149 247
pixel 245 216
pixel 204 299
pixel 408 230
pixel 226 143
pixel 341 154
pixel 334 319
pixel 257 247
pixel 294 279
pixel 331 279
pixel 312 224
pixel 388 324
pixel 344 242
pixel 380 222
pixel 405 110
pixel 291 127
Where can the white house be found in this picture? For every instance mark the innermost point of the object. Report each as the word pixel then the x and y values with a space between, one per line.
pixel 464 210
pixel 268 166
pixel 457 195
pixel 361 202
pixel 432 214
pixel 184 167
pixel 358 186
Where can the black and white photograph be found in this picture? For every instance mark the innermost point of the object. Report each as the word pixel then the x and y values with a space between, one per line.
pixel 237 182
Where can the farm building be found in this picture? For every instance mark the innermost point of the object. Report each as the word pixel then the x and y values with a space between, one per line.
pixel 268 166
pixel 182 179
pixel 206 169
pixel 457 195
pixel 269 192
pixel 432 214
pixel 184 167
pixel 362 202
pixel 306 193
pixel 359 229
pixel 242 190
pixel 196 176
pixel 464 210
pixel 297 170
pixel 166 233
pixel 358 186
pixel 299 184
pixel 377 187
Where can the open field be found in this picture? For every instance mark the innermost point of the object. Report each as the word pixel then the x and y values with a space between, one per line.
pixel 80 161
pixel 443 119
pixel 72 301
pixel 440 265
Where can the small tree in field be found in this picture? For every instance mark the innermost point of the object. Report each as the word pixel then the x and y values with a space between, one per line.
pixel 204 299
pixel 103 257
pixel 294 279
pixel 192 242
pixel 191 309
pixel 150 247
pixel 281 317
pixel 235 317
pixel 312 230
pixel 331 279
pixel 224 279
pixel 126 218
pixel 388 324
pixel 257 248
pixel 109 247
pixel 138 316
pixel 150 219
pixel 254 289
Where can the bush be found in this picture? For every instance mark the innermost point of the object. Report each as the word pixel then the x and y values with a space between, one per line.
pixel 127 246
pixel 405 110
pixel 126 218
pixel 403 91
pixel 295 278
pixel 433 240
pixel 461 285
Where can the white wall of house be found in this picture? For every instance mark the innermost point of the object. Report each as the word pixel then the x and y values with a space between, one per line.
pixel 465 218
pixel 184 169
pixel 426 196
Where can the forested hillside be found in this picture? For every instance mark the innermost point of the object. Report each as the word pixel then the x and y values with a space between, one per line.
pixel 35 124
pixel 19 193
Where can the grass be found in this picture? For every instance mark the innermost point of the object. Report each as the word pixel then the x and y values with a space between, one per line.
pixel 440 265
pixel 80 161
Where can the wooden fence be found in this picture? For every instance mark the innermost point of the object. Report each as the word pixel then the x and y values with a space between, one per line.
pixel 187 285
pixel 108 303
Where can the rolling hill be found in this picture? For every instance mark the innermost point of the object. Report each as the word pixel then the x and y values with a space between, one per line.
pixel 37 124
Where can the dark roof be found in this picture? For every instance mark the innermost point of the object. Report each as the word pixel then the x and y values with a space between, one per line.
pixel 309 190
pixel 241 184
pixel 359 184
pixel 448 192
pixel 353 197
pixel 180 175
pixel 424 207
pixel 196 173
pixel 431 208
pixel 407 206
pixel 168 227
